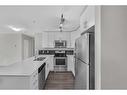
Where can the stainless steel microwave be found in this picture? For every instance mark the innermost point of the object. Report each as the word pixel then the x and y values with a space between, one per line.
pixel 60 43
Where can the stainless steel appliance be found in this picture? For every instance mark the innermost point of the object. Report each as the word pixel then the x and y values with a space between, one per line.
pixel 60 61
pixel 41 76
pixel 60 43
pixel 85 64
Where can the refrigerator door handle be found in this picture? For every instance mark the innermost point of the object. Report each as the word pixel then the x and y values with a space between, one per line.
pixel 82 61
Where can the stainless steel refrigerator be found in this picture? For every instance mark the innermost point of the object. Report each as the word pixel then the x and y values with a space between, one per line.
pixel 85 61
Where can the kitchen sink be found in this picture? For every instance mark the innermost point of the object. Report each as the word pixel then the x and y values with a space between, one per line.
pixel 39 59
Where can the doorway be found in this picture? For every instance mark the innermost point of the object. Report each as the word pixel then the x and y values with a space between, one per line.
pixel 26 49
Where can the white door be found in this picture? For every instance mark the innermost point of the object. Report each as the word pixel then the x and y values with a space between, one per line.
pixel 26 49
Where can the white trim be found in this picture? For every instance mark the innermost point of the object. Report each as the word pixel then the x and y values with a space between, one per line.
pixel 97 47
pixel 87 87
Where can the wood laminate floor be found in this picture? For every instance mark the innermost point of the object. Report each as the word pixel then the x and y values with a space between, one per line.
pixel 60 80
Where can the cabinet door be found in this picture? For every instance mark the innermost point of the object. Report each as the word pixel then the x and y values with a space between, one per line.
pixel 71 64
pixel 34 80
pixel 14 82
pixel 44 40
pixel 38 40
pixel 49 65
pixel 50 41
pixel 51 62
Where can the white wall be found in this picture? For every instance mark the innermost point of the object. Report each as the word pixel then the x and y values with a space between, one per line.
pixel 87 18
pixel 114 47
pixel 10 48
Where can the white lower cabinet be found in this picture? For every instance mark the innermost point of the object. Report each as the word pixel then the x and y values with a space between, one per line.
pixel 21 82
pixel 14 82
pixel 34 80
pixel 71 64
pixel 49 65
pixel 47 68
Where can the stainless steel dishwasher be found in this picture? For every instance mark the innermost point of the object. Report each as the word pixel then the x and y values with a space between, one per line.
pixel 41 76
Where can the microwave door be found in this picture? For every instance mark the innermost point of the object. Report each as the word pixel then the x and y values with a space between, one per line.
pixel 60 44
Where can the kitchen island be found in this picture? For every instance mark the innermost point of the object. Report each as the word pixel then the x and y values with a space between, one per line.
pixel 21 75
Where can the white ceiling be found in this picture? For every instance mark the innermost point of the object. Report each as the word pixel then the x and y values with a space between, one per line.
pixel 39 18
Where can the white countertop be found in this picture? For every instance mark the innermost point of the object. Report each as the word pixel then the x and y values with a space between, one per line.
pixel 24 68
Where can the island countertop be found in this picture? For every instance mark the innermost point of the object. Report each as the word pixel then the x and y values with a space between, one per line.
pixel 25 68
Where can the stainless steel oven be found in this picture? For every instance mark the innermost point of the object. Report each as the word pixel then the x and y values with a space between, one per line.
pixel 60 61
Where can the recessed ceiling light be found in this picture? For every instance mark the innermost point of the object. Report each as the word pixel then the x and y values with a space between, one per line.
pixel 15 28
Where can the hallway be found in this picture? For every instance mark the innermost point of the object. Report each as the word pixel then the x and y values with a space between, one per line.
pixel 60 80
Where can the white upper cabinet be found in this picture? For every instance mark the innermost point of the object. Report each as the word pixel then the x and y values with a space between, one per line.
pixel 41 40
pixel 50 39
pixel 46 39
pixel 52 36
pixel 38 40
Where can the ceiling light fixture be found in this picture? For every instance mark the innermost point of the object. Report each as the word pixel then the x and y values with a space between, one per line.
pixel 15 28
pixel 61 23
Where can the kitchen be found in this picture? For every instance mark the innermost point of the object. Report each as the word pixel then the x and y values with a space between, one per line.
pixel 59 47
pixel 34 54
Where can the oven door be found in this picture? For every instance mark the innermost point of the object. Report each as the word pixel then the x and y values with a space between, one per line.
pixel 60 63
